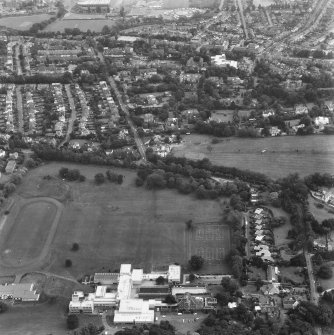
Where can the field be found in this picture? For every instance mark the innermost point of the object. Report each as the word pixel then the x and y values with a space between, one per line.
pixel 23 22
pixel 83 25
pixel 283 155
pixel 27 230
pixel 113 224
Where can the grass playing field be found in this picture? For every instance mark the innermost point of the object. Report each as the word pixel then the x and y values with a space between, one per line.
pixel 284 155
pixel 83 25
pixel 113 224
pixel 27 228
pixel 23 22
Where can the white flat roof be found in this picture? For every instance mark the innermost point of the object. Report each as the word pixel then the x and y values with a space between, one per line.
pixel 174 272
pixel 134 317
pixel 124 287
pixel 125 269
pixel 133 306
pixel 93 2
pixel 137 275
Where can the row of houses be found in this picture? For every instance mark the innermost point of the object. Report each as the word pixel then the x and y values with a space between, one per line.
pixel 261 234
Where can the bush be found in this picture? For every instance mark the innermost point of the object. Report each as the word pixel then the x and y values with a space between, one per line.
pixel 325 272
pixel 68 263
pixel 82 178
pixel 30 163
pixel 72 322
pixel 99 178
pixel 160 280
pixel 3 307
pixel 75 247
pixel 196 262
pixel 139 182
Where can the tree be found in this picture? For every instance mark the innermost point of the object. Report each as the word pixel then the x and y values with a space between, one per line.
pixel 325 272
pixel 9 188
pixel 160 280
pixel 16 179
pixel 155 180
pixel 68 263
pixel 3 307
pixel 170 299
pixel 122 13
pixel 196 262
pixel 75 246
pixel 192 277
pixel 63 172
pixel 189 224
pixel 99 178
pixel 72 322
pixel 30 163
pixel 120 179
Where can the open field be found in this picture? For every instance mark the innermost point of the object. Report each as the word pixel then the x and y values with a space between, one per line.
pixel 284 155
pixel 31 319
pixel 113 224
pixel 23 22
pixel 27 231
pixel 83 25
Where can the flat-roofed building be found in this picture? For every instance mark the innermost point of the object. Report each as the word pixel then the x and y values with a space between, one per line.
pixel 189 289
pixel 106 278
pixel 19 292
pixel 134 311
pixel 174 273
pixel 137 276
pixel 154 292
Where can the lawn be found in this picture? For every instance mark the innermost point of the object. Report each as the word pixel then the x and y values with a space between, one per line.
pixel 23 22
pixel 320 214
pixel 31 319
pixel 116 224
pixel 27 231
pixel 284 155
pixel 83 25
pixel 281 233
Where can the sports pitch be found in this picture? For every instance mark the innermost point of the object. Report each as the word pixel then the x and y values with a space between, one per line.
pixel 210 241
pixel 113 224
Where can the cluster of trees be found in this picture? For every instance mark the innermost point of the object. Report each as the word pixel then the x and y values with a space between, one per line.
pixel 111 176
pixel 218 129
pixel 199 183
pixel 164 328
pixel 90 329
pixel 117 158
pixel 316 180
pixel 320 54
pixel 204 169
pixel 71 175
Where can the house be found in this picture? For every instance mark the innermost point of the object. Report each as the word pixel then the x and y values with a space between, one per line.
pixel 320 121
pixel 2 153
pixel 274 131
pixel 269 289
pixel 221 61
pixel 10 166
pixel 290 302
pixel 14 155
pixel 301 109
pixel 267 113
pixel 272 273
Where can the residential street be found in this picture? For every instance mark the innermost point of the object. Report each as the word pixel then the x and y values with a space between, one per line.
pixel 124 108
